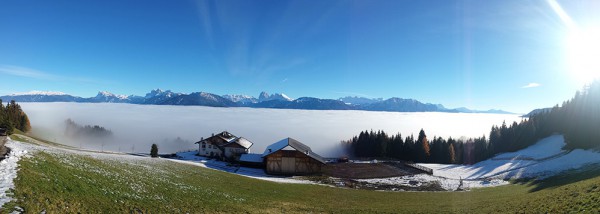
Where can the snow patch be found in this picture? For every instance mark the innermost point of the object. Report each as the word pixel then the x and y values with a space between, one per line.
pixel 541 160
pixel 8 170
pixel 447 184
pixel 191 158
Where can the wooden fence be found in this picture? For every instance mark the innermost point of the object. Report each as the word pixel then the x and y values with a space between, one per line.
pixel 419 167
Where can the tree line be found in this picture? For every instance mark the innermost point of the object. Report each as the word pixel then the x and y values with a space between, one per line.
pixel 378 144
pixel 74 130
pixel 13 117
pixel 578 119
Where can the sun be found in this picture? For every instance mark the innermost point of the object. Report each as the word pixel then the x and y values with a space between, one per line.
pixel 582 45
pixel 583 54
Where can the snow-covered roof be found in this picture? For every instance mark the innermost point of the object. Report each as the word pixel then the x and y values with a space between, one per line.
pixel 253 158
pixel 295 145
pixel 243 142
pixel 226 136
pixel 240 141
pixel 227 139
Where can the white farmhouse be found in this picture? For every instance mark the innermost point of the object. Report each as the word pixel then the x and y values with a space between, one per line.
pixel 224 145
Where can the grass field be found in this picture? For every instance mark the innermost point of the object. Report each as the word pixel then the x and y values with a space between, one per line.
pixel 74 183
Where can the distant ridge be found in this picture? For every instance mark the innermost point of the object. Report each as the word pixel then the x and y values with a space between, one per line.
pixel 264 100
pixel 537 111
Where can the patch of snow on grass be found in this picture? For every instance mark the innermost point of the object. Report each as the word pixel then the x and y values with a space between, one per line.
pixel 541 160
pixel 8 170
pixel 576 159
pixel 544 148
pixel 446 183
pixel 191 158
pixel 544 159
pixel 185 157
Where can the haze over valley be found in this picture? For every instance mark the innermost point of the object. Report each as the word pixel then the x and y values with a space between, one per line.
pixel 139 126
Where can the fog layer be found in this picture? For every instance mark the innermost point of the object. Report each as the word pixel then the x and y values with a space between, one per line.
pixel 137 127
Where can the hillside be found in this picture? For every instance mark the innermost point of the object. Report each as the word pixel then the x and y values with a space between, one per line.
pixel 544 159
pixel 59 180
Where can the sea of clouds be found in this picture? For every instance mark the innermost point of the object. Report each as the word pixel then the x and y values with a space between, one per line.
pixel 137 127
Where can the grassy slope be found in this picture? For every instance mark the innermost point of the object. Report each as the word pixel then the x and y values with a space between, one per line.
pixel 61 183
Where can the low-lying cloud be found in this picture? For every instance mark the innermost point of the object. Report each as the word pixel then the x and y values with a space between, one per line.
pixel 175 128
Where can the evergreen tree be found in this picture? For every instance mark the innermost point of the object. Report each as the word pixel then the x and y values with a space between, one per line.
pixel 12 117
pixel 154 151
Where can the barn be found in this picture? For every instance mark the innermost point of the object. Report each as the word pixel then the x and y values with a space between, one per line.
pixel 290 157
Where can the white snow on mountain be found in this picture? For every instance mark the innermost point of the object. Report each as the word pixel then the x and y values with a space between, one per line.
pixel 160 93
pixel 240 98
pixel 359 100
pixel 264 96
pixel 46 93
pixel 283 96
pixel 108 94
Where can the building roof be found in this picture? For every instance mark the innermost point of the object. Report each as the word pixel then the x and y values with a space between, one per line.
pixel 242 142
pixel 251 158
pixel 295 145
pixel 219 139
pixel 225 138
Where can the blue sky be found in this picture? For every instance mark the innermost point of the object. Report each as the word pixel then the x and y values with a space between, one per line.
pixel 476 54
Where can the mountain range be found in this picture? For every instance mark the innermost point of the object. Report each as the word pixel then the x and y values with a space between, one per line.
pixel 264 100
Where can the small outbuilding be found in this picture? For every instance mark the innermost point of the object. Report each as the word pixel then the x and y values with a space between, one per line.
pixel 290 157
pixel 252 160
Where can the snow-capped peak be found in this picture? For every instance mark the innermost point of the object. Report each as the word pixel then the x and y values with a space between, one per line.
pixel 105 93
pixel 159 92
pixel 240 98
pixel 285 97
pixel 108 94
pixel 46 93
pixel 264 96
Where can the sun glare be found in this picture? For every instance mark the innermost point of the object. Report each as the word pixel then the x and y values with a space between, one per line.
pixel 583 55
pixel 582 47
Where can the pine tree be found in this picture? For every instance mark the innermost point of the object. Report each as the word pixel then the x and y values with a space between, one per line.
pixel 154 151
pixel 451 153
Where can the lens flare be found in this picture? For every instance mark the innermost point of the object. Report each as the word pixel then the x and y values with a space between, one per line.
pixel 583 54
pixel 582 47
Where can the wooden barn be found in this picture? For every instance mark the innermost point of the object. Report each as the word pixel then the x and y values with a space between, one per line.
pixel 290 157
